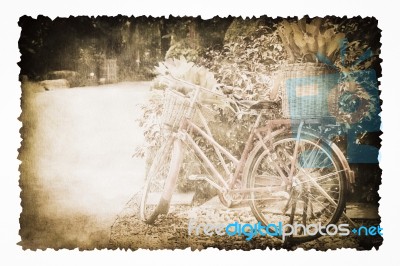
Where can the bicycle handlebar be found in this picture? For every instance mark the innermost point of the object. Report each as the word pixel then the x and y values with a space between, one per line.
pixel 241 109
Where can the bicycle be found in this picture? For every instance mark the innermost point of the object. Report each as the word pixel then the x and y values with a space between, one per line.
pixel 291 174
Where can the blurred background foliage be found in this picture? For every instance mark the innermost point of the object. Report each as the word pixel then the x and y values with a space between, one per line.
pixel 242 54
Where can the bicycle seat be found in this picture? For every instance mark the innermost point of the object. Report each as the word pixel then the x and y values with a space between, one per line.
pixel 259 105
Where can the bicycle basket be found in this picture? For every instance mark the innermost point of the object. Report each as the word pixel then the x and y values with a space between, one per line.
pixel 309 90
pixel 175 107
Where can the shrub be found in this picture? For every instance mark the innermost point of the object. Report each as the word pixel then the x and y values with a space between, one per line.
pixel 248 63
pixel 245 66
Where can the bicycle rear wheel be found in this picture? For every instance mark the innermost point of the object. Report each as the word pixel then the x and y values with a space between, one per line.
pixel 161 180
pixel 315 196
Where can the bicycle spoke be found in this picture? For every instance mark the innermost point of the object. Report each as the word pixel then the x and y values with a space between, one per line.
pixel 313 152
pixel 276 177
pixel 322 190
pixel 317 178
pixel 317 201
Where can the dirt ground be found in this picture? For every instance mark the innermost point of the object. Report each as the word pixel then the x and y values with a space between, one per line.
pixel 171 231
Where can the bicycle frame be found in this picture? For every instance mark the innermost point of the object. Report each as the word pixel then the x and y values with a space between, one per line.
pixel 228 186
pixel 187 126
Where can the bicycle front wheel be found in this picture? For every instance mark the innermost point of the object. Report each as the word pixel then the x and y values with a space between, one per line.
pixel 312 201
pixel 161 180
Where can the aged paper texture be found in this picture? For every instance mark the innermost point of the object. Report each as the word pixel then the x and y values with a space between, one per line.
pixel 180 132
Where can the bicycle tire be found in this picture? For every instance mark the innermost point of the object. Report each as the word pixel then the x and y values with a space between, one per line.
pixel 268 210
pixel 161 180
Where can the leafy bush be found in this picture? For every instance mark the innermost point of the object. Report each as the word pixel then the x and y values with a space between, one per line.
pixel 244 69
pixel 248 63
pixel 152 110
pixel 182 48
pixel 245 66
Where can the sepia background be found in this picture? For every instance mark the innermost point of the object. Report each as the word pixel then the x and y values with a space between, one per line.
pixel 84 83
